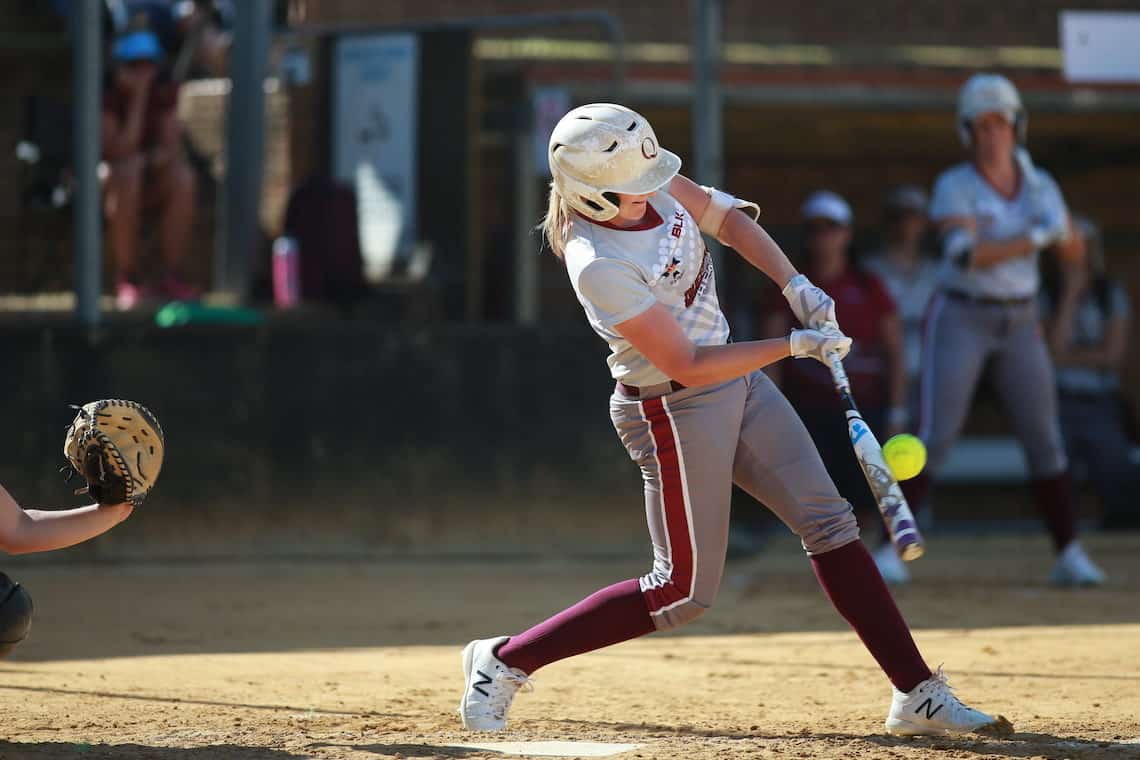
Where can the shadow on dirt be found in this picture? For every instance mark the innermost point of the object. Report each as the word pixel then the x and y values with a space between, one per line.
pixel 81 751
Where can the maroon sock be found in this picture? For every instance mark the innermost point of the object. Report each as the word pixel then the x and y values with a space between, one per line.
pixel 852 582
pixel 1054 497
pixel 614 614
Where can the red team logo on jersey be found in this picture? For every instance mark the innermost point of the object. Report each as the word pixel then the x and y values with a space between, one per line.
pixel 702 277
pixel 678 227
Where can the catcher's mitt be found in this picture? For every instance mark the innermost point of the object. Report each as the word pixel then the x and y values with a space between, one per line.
pixel 117 447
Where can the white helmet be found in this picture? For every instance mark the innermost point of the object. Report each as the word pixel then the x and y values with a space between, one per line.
pixel 604 148
pixel 990 93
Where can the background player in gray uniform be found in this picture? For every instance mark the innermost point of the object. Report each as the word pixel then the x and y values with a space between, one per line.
pixel 695 414
pixel 910 274
pixel 35 530
pixel 996 213
pixel 912 277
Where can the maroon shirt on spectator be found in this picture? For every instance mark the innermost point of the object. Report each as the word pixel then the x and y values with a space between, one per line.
pixel 861 303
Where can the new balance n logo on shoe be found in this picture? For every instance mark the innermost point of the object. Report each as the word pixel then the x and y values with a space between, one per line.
pixel 925 706
pixel 485 679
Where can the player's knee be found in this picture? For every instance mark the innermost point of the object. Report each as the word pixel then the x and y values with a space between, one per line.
pixel 682 614
pixel 15 614
pixel 1046 461
pixel 672 605
pixel 830 530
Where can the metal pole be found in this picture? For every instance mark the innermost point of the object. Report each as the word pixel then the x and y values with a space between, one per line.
pixel 87 79
pixel 708 134
pixel 245 128
pixel 526 215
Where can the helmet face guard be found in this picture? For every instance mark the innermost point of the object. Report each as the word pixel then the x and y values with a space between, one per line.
pixel 990 93
pixel 601 149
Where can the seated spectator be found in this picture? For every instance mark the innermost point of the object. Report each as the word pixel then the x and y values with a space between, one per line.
pixel 147 168
pixel 192 33
pixel 910 273
pixel 1087 318
pixel 876 366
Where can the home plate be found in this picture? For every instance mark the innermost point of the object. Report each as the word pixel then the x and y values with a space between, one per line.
pixel 552 749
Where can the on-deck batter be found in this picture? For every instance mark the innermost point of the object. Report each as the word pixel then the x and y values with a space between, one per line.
pixel 996 212
pixel 696 414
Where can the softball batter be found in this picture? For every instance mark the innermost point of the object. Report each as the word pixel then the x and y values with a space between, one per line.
pixel 996 212
pixel 696 414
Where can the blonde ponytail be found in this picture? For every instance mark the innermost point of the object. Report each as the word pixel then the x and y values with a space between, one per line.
pixel 556 224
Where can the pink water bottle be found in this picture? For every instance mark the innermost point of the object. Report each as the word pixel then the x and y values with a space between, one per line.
pixel 286 272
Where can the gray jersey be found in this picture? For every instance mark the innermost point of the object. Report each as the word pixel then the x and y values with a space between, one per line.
pixel 618 274
pixel 961 191
pixel 911 291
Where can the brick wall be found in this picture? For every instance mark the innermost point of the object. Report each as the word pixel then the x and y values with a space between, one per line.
pixel 835 22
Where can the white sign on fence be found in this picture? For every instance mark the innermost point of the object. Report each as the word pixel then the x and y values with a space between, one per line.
pixel 376 92
pixel 1100 46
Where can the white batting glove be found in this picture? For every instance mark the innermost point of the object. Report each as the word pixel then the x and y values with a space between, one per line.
pixel 817 344
pixel 812 307
pixel 1049 232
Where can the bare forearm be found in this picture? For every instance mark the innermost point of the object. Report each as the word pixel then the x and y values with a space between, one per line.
pixel 716 364
pixel 1059 330
pixel 1108 354
pixel 38 530
pixel 127 137
pixel 990 253
pixel 757 247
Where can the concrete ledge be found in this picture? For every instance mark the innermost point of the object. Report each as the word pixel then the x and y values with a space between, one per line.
pixel 335 437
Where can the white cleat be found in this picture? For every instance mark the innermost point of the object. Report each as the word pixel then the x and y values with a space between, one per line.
pixel 1074 568
pixel 489 686
pixel 931 709
pixel 890 565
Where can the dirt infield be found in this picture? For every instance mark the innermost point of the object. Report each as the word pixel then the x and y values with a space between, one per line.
pixel 339 660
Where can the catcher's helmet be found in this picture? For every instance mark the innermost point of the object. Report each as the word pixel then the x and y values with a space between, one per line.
pixel 603 148
pixel 15 614
pixel 990 93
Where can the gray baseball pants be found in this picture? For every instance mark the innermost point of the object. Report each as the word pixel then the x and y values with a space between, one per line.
pixel 692 445
pixel 963 339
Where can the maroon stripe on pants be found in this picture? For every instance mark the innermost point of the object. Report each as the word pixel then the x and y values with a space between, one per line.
pixel 673 500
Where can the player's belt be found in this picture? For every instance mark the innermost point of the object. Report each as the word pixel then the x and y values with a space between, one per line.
pixel 959 295
pixel 648 391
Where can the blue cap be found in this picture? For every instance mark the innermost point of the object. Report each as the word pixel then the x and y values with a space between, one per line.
pixel 142 45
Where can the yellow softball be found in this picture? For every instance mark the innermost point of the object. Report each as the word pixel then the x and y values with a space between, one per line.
pixel 905 455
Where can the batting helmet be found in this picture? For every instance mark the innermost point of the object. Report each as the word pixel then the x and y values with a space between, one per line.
pixel 602 148
pixel 990 93
pixel 15 614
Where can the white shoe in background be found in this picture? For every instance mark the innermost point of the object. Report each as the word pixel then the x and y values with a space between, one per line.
pixel 890 565
pixel 1074 568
